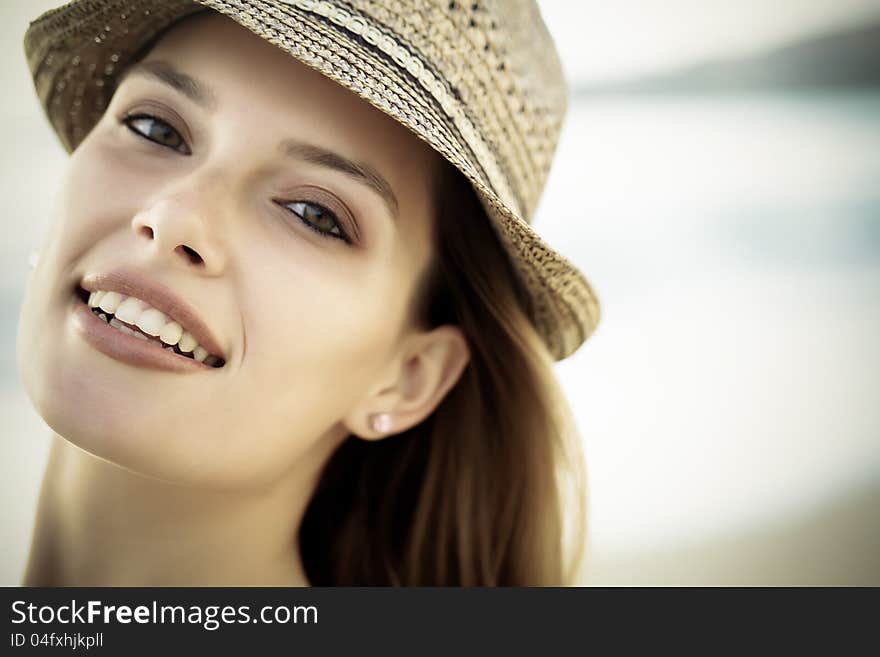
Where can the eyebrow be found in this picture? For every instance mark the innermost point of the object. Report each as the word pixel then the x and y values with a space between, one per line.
pixel 203 96
pixel 177 80
pixel 359 171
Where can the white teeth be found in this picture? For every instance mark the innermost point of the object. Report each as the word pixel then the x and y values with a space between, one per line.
pixel 130 309
pixel 170 333
pixel 95 298
pixel 110 302
pixel 119 326
pixel 187 342
pixel 151 321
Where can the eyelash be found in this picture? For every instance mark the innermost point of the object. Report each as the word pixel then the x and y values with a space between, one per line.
pixel 342 236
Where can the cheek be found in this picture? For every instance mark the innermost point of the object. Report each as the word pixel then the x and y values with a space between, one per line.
pixel 317 350
pixel 80 218
pixel 315 340
pixel 321 327
pixel 96 198
pixel 88 205
pixel 101 189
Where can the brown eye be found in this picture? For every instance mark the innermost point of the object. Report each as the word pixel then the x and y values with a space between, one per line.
pixel 156 130
pixel 318 218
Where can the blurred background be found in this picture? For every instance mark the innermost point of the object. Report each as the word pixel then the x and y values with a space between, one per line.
pixel 718 180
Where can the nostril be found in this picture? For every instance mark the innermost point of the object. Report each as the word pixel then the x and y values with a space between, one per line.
pixel 147 231
pixel 193 256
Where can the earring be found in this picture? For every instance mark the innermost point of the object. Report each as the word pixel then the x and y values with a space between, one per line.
pixel 380 422
pixel 33 258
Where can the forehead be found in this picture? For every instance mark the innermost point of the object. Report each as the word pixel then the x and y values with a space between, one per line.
pixel 271 95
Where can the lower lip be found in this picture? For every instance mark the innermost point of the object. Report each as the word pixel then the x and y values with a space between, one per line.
pixel 126 348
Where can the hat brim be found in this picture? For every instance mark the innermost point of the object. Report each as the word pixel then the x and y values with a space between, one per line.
pixel 77 52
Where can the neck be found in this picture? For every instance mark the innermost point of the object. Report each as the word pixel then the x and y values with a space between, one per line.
pixel 98 524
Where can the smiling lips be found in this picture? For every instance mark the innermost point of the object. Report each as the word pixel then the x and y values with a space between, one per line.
pixel 151 309
pixel 137 318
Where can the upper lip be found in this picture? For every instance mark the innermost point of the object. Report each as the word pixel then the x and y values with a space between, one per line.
pixel 159 296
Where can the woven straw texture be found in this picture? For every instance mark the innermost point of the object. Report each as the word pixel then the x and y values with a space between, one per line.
pixel 480 82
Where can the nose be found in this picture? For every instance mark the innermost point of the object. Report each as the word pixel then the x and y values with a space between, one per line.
pixel 178 230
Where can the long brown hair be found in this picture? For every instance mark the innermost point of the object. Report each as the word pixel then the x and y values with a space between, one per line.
pixel 480 493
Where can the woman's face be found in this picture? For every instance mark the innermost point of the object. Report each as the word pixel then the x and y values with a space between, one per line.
pixel 294 219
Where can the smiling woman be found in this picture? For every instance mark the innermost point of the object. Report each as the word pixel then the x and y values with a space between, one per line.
pixel 283 331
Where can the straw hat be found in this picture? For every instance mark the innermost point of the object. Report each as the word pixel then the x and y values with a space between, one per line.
pixel 479 81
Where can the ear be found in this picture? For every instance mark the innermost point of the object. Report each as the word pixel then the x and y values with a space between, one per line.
pixel 430 365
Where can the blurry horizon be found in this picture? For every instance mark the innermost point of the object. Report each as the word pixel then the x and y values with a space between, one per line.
pixel 612 42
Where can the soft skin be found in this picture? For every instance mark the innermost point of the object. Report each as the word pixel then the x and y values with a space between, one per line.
pixel 202 477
